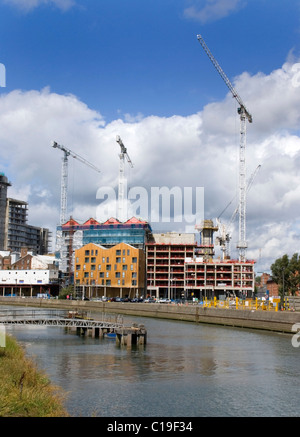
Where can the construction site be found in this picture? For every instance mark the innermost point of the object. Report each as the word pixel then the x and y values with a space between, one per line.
pixel 175 265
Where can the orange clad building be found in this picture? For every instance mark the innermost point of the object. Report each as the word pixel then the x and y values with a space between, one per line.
pixel 111 272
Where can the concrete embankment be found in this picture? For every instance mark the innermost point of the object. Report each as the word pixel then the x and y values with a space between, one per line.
pixel 281 321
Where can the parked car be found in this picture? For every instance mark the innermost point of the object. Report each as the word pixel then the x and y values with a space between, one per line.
pixel 149 300
pixel 164 300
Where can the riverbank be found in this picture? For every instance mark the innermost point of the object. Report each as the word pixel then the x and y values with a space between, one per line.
pixel 24 390
pixel 279 321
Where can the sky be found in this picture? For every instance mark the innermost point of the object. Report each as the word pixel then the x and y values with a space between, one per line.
pixel 81 72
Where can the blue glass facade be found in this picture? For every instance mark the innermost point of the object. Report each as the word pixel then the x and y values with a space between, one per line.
pixel 111 235
pixel 134 232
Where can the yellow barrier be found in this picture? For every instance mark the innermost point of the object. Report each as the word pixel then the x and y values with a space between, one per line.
pixel 244 304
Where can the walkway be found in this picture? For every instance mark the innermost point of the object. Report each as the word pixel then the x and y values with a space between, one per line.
pixel 55 318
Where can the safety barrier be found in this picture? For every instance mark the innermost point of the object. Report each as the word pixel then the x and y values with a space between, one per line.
pixel 243 304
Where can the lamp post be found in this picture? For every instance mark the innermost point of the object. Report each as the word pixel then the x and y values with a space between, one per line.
pixel 282 300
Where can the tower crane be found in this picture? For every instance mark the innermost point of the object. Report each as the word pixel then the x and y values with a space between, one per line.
pixel 121 192
pixel 224 230
pixel 244 114
pixel 64 177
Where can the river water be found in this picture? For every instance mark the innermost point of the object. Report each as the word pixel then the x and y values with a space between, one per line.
pixel 185 370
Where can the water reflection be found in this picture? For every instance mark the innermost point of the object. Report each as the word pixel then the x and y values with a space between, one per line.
pixel 184 370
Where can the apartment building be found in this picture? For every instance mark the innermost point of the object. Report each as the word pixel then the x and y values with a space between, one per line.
pixel 218 278
pixel 114 271
pixel 166 264
pixel 176 271
pixel 72 236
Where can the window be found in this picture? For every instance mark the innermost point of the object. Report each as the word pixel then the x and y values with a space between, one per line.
pixel 118 275
pixel 108 282
pixel 134 282
pixel 128 252
pixel 86 260
pixel 86 274
pixel 92 252
pixel 124 259
pixel 87 253
pixel 123 251
pixel 93 267
pixel 78 266
pixel 134 275
pixel 107 274
pixel 99 266
pixel 118 252
pixel 124 267
pixel 107 259
pixel 101 275
pixel 108 267
pixel 119 282
pixel 103 259
pixel 93 260
pixel 118 259
pixel 134 259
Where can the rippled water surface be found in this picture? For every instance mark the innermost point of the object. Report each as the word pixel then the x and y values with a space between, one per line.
pixel 185 369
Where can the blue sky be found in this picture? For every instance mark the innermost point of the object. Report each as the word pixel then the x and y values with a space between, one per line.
pixel 81 72
pixel 143 57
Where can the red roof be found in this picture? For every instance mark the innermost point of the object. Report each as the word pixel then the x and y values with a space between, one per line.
pixel 111 221
pixel 134 221
pixel 71 222
pixel 91 221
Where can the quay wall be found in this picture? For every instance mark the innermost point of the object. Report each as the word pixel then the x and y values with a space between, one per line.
pixel 281 321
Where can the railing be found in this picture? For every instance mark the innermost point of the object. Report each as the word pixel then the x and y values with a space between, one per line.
pixel 242 304
pixel 58 318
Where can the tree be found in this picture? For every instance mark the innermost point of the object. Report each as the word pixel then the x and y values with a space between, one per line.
pixel 69 290
pixel 285 272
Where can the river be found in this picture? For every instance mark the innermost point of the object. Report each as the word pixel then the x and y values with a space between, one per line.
pixel 185 370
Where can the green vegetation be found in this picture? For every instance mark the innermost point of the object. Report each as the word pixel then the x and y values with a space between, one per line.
pixel 24 390
pixel 68 291
pixel 285 272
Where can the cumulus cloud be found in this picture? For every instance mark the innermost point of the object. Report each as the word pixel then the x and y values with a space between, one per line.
pixel 200 150
pixel 212 10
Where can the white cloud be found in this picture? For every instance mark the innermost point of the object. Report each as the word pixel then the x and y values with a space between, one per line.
pixel 27 5
pixel 212 10
pixel 200 150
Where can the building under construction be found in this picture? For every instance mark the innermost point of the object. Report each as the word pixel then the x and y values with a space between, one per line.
pixel 179 268
pixel 72 235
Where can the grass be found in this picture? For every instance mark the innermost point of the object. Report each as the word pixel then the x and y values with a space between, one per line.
pixel 24 390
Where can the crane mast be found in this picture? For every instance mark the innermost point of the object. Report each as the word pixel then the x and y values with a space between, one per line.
pixel 64 177
pixel 244 114
pixel 122 180
pixel 225 234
